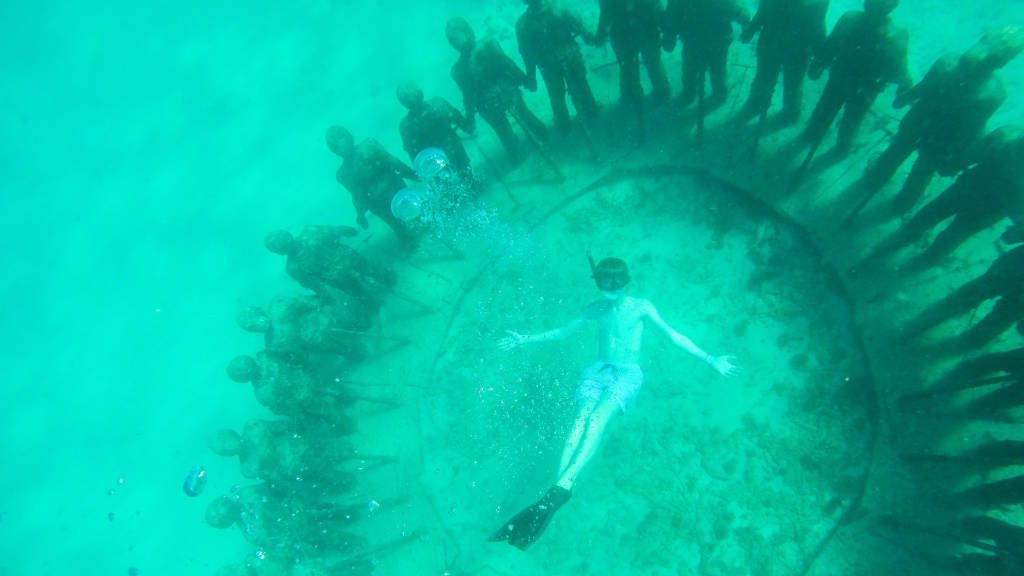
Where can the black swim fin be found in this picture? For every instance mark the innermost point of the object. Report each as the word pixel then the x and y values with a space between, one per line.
pixel 525 528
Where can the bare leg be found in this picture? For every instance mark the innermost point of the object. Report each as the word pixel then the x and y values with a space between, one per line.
pixel 578 429
pixel 591 437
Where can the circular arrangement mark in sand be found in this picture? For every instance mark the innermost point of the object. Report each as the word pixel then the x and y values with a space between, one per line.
pixel 704 474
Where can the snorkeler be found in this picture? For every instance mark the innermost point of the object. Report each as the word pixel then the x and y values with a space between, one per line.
pixel 608 385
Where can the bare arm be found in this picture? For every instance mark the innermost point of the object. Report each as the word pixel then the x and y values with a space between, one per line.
pixel 723 364
pixel 515 339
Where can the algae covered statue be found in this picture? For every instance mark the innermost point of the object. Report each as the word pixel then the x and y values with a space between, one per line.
pixel 790 31
pixel 431 124
pixel 605 387
pixel 705 28
pixel 949 109
pixel 372 176
pixel 547 41
pixel 490 83
pixel 864 53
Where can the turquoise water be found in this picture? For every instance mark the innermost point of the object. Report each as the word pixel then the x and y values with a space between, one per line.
pixel 150 147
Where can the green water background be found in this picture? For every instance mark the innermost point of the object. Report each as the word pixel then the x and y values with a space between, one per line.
pixel 147 149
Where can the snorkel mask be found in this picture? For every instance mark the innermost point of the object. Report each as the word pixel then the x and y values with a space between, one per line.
pixel 610 274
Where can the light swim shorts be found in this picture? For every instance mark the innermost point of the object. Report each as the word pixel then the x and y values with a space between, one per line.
pixel 619 381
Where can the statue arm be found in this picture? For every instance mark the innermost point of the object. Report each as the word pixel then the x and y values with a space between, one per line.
pixel 507 65
pixel 359 203
pixel 932 78
pixel 670 25
pixel 455 118
pixel 468 93
pixel 826 53
pixel 529 54
pixel 755 24
pixel 604 24
pixel 382 157
pixel 900 68
pixel 401 168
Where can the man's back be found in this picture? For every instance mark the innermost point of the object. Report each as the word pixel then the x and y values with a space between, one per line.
pixel 620 328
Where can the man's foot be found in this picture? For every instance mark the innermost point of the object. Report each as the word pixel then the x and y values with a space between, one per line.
pixel 523 529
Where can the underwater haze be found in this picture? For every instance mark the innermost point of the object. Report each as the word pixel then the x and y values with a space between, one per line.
pixel 150 147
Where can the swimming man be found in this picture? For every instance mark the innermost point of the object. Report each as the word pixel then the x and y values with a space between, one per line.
pixel 606 386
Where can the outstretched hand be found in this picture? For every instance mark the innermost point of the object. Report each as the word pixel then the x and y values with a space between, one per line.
pixel 511 341
pixel 725 365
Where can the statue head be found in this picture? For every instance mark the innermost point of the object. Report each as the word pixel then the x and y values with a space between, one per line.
pixel 410 96
pixel 340 141
pixel 280 242
pixel 243 369
pixel 253 319
pixel 225 442
pixel 995 50
pixel 460 34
